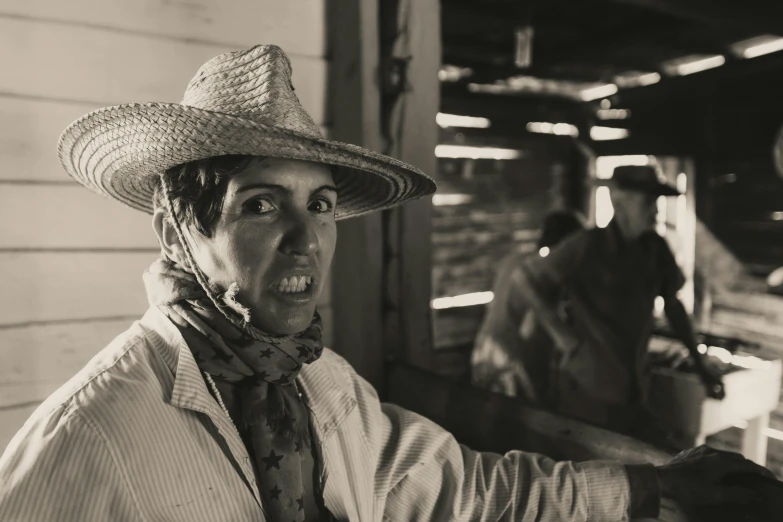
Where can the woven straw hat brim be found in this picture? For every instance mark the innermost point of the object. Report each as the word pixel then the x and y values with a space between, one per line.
pixel 120 151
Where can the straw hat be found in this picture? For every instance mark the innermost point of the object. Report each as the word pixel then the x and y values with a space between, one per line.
pixel 238 103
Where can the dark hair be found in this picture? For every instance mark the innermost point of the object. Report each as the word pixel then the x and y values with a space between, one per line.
pixel 198 189
pixel 557 226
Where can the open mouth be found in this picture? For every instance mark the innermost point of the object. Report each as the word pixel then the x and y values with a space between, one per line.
pixel 295 284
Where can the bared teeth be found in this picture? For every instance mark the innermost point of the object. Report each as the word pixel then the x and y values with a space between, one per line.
pixel 294 284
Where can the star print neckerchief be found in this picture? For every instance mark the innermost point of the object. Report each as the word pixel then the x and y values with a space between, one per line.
pixel 272 416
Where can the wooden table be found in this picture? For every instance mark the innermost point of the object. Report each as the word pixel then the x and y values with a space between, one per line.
pixel 678 400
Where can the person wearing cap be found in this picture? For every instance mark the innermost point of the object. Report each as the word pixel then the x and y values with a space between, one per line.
pixel 512 354
pixel 611 277
pixel 221 404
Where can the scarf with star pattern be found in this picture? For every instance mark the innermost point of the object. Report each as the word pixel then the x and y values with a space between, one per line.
pixel 262 367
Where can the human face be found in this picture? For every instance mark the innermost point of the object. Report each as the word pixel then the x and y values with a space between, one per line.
pixel 635 211
pixel 275 238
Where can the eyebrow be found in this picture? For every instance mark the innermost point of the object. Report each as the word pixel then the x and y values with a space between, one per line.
pixel 281 188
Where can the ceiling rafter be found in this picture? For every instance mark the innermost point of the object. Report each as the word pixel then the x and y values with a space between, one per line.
pixel 758 15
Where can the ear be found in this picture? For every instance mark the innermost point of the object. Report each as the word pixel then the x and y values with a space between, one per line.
pixel 168 239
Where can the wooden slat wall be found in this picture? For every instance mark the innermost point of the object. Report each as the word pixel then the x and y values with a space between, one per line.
pixel 510 201
pixel 71 261
pixel 744 214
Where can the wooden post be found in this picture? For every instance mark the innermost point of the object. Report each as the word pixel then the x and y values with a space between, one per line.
pixel 384 262
pixel 354 112
pixel 414 136
pixel 754 440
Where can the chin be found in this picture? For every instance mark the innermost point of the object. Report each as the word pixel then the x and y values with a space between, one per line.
pixel 290 323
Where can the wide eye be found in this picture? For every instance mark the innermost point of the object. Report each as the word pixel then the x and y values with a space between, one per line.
pixel 321 205
pixel 259 206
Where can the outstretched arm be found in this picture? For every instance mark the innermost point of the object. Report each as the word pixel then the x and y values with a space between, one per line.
pixel 683 327
pixel 422 473
pixel 537 278
pixel 673 279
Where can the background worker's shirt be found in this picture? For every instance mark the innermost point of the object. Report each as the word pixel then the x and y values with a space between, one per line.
pixel 512 353
pixel 611 285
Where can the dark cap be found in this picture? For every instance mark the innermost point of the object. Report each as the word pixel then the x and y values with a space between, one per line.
pixel 642 178
pixel 557 226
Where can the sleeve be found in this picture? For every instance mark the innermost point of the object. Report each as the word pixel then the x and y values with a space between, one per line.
pixel 59 468
pixel 672 278
pixel 422 473
pixel 560 263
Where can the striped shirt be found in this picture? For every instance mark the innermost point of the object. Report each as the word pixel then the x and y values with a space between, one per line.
pixel 136 436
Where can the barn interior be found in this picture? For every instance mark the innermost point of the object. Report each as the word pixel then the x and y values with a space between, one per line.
pixel 515 108
pixel 564 91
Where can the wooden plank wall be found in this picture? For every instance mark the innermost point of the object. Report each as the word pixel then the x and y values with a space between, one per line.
pixel 71 261
pixel 746 212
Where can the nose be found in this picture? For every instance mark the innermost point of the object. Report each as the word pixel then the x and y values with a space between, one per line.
pixel 300 237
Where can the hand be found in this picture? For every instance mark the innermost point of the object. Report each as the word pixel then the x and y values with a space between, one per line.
pixel 696 477
pixel 713 383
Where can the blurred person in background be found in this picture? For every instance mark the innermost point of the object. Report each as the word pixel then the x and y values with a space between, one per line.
pixel 221 403
pixel 610 278
pixel 513 354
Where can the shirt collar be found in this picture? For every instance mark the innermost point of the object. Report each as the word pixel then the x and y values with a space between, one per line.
pixel 189 390
pixel 329 403
pixel 615 238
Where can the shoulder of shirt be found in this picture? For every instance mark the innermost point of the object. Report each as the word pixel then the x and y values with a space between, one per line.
pixel 573 245
pixel 98 380
pixel 332 370
pixel 589 234
pixel 335 389
pixel 660 244
pixel 332 375
pixel 581 239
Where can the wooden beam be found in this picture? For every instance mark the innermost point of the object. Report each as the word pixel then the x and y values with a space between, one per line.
pixel 415 135
pixel 470 19
pixel 458 98
pixel 354 110
pixel 640 144
pixel 492 422
pixel 695 86
pixel 761 16
pixel 613 50
pixel 593 57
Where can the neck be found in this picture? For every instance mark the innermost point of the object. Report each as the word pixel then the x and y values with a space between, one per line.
pixel 626 231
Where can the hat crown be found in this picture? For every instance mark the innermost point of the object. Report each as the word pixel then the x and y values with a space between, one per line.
pixel 643 178
pixel 638 174
pixel 254 84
